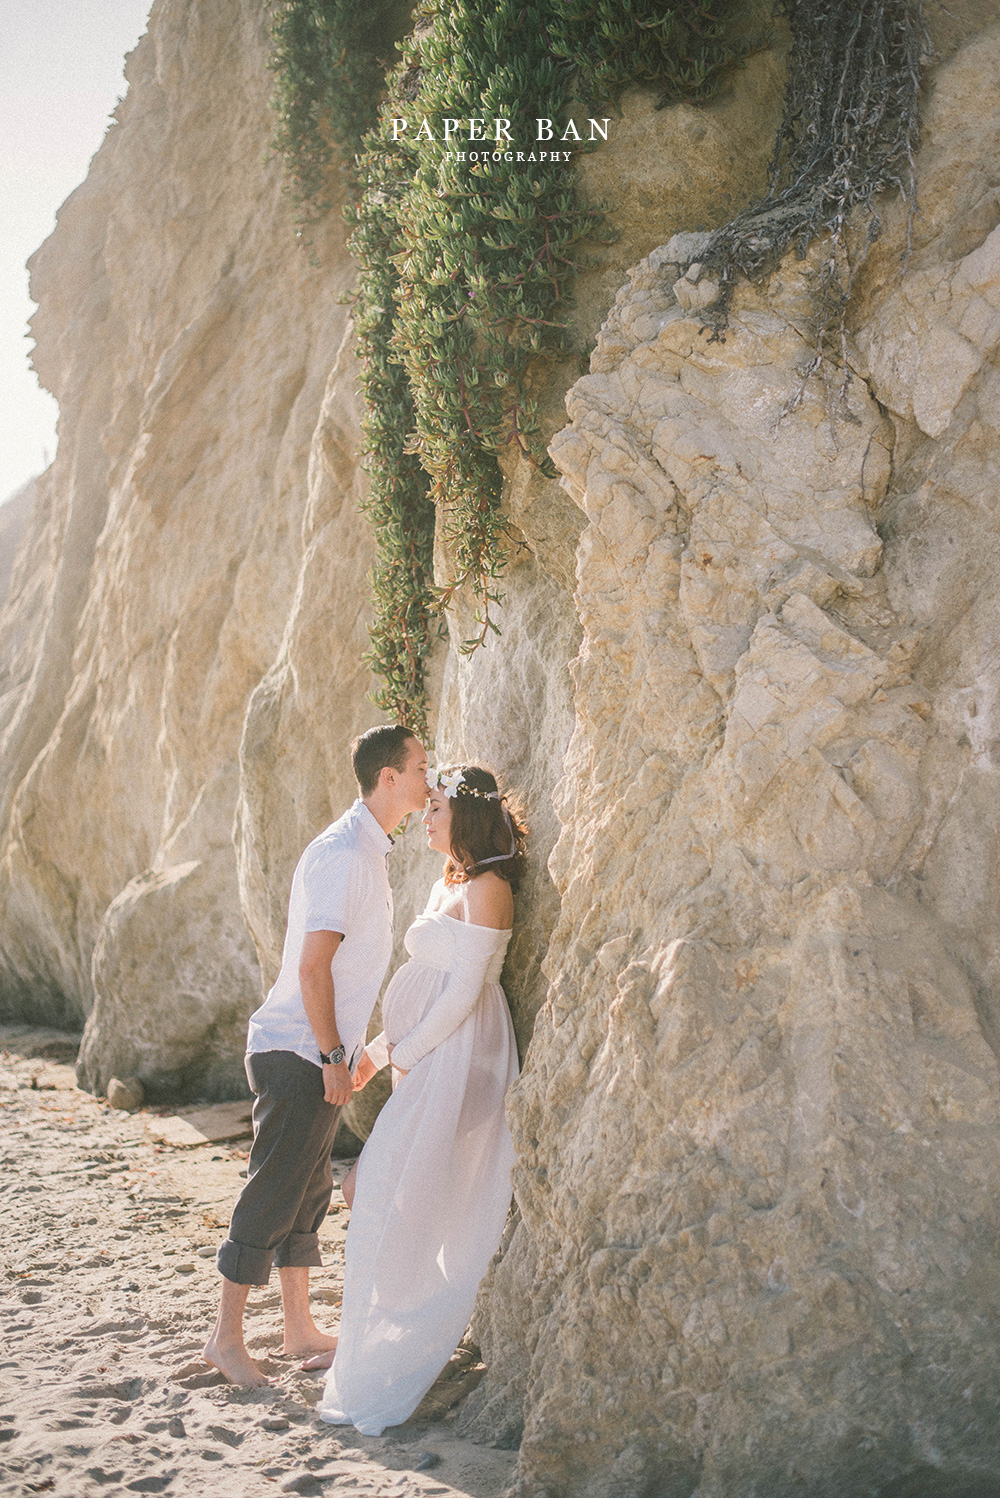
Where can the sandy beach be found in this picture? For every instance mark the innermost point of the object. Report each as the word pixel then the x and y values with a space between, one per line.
pixel 109 1288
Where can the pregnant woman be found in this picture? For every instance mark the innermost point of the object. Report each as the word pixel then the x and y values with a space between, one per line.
pixel 433 1181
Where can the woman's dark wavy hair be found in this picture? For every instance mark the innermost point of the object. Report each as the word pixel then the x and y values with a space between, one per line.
pixel 480 830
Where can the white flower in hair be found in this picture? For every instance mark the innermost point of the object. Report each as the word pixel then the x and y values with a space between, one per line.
pixel 450 783
pixel 447 784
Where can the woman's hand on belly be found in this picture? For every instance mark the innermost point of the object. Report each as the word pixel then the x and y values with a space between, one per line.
pixel 392 1063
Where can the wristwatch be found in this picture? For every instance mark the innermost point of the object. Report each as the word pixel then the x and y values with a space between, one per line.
pixel 332 1058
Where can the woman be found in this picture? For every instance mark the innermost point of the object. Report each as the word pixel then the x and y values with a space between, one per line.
pixel 433 1180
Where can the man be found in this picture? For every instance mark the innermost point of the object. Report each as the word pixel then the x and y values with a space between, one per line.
pixel 303 1042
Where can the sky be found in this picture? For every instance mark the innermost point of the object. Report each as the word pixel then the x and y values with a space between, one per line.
pixel 60 77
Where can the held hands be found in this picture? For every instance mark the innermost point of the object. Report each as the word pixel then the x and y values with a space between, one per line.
pixel 364 1071
pixel 392 1063
pixel 337 1084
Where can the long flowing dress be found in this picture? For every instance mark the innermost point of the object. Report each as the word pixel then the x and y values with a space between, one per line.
pixel 433 1185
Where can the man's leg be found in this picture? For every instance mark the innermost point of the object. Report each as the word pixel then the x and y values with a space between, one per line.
pixel 293 1259
pixel 225 1348
pixel 323 1356
pixel 279 1210
pixel 303 1337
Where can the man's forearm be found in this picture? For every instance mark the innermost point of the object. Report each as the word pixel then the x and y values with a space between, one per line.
pixel 319 1000
pixel 316 986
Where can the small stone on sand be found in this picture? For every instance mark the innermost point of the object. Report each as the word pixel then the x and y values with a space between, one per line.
pixel 127 1095
pixel 299 1482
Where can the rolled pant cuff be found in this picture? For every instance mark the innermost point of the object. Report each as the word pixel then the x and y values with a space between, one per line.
pixel 244 1264
pixel 299 1251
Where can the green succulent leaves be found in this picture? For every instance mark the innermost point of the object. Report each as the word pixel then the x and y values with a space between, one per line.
pixel 679 49
pixel 466 267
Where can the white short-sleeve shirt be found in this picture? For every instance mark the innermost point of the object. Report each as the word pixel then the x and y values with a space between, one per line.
pixel 340 883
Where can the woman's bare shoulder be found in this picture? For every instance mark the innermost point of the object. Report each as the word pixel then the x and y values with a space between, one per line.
pixel 490 901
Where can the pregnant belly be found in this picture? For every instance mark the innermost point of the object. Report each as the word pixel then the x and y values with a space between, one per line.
pixel 410 995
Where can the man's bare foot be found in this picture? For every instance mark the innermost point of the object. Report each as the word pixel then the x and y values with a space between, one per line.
pixel 235 1363
pixel 308 1343
pixel 321 1360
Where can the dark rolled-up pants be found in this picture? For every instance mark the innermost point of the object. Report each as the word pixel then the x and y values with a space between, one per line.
pixel 289 1175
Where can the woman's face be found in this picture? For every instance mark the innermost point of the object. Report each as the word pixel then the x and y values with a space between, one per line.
pixel 437 820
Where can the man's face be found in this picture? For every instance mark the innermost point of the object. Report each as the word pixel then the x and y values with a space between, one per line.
pixel 411 780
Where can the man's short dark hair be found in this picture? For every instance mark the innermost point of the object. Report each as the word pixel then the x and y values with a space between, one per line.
pixel 377 748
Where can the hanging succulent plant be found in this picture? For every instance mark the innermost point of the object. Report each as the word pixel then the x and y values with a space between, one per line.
pixel 466 267
pixel 329 60
pixel 682 49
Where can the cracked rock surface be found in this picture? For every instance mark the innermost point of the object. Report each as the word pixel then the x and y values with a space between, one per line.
pixel 757 1166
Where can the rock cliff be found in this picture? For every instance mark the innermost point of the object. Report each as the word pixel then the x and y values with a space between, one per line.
pixel 181 656
pixel 755 1170
pixel 167 549
pixel 15 513
pixel 746 687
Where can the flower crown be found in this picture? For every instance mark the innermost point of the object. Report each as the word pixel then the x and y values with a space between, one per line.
pixel 454 783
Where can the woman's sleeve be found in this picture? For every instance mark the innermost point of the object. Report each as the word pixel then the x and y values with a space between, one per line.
pixel 377 1051
pixel 473 948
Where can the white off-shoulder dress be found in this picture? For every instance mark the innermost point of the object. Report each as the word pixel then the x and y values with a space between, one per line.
pixel 433 1186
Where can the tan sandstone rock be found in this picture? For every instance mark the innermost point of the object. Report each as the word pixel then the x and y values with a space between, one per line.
pixel 757 1168
pixel 185 636
pixel 15 513
pixel 127 1095
pixel 153 590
